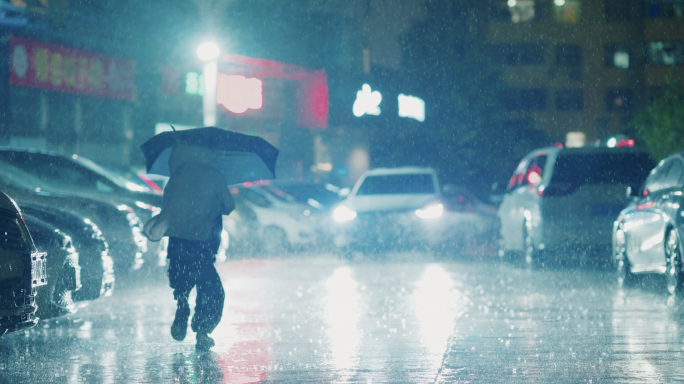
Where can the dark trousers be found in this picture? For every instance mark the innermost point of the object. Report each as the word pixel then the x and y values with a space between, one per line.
pixel 191 264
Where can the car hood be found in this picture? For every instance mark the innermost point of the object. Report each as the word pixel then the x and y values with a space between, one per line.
pixel 388 202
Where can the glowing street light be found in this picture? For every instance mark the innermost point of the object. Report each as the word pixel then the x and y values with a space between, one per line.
pixel 209 52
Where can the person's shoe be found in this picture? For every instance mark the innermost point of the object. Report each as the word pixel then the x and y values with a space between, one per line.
pixel 204 342
pixel 179 328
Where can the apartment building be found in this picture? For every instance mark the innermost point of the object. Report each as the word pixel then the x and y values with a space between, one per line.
pixel 585 66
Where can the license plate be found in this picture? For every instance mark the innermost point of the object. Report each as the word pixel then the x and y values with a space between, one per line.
pixel 38 269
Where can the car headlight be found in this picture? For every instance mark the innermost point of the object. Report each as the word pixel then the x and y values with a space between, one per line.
pixel 431 211
pixel 343 214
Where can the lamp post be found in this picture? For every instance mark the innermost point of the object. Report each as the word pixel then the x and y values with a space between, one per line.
pixel 209 53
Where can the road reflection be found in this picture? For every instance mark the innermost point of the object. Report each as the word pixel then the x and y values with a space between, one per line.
pixel 437 306
pixel 342 315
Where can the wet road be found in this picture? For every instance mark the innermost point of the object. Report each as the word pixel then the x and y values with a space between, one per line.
pixel 318 319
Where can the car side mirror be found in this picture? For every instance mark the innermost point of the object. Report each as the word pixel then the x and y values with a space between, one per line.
pixel 632 193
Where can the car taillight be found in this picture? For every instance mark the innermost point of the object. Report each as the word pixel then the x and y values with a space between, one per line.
pixel 556 190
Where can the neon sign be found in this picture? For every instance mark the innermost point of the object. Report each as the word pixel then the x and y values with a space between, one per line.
pixel 367 102
pixel 411 106
pixel 237 93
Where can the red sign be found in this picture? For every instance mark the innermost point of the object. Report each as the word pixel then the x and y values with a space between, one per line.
pixel 58 68
pixel 237 93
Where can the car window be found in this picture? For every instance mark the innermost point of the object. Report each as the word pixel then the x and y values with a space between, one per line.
pixel 578 169
pixel 674 174
pixel 59 172
pixel 658 179
pixel 397 184
pixel 255 198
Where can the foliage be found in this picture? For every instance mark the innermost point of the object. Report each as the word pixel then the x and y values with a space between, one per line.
pixel 660 126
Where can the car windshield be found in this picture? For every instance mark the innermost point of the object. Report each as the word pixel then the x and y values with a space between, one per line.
pixel 601 168
pixel 397 184
pixel 322 194
pixel 14 177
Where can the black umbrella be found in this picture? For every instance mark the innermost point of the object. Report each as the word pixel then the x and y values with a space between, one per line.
pixel 239 157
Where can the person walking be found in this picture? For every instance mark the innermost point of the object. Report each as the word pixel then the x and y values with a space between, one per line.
pixel 194 201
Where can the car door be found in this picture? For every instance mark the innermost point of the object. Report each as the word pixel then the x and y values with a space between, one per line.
pixel 644 225
pixel 509 213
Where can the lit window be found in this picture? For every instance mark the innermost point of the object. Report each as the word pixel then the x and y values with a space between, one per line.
pixel 516 11
pixel 567 11
pixel 666 52
pixel 617 57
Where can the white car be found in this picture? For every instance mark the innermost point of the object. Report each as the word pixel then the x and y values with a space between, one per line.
pixel 567 199
pixel 270 220
pixel 389 209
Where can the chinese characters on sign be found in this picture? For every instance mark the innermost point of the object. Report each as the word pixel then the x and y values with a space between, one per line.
pixel 54 67
pixel 411 106
pixel 237 93
pixel 367 102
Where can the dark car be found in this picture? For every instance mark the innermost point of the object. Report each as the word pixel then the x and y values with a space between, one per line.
pixel 76 174
pixel 120 225
pixel 97 268
pixel 647 235
pixel 54 299
pixel 22 270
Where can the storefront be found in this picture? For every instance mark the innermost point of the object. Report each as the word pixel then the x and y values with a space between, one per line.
pixel 68 100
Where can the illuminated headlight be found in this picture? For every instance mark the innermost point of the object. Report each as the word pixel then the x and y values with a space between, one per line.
pixel 343 214
pixel 431 211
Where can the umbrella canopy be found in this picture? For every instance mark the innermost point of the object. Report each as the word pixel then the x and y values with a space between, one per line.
pixel 239 157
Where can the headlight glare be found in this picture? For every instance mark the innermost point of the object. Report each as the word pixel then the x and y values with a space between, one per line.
pixel 343 214
pixel 431 211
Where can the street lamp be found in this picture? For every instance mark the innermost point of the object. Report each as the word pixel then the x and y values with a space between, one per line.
pixel 209 53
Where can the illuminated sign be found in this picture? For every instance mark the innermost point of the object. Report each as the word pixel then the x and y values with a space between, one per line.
pixel 411 106
pixel 367 102
pixel 194 83
pixel 58 68
pixel 237 93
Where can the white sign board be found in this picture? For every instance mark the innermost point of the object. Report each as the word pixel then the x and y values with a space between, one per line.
pixel 411 106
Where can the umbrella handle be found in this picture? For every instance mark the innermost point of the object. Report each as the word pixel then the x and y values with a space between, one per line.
pixel 172 127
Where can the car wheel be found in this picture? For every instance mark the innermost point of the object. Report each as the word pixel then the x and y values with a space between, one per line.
pixel 625 277
pixel 673 272
pixel 275 241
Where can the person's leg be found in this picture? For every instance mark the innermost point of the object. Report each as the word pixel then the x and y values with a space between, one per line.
pixel 182 281
pixel 209 303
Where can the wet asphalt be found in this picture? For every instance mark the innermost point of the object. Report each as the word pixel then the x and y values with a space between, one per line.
pixel 314 318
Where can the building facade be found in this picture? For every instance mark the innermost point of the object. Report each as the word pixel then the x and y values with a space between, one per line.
pixel 584 66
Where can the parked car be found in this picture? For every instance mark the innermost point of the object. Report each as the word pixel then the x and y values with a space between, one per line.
pixel 78 175
pixel 97 267
pixel 647 235
pixel 54 299
pixel 390 209
pixel 567 199
pixel 22 270
pixel 120 225
pixel 279 222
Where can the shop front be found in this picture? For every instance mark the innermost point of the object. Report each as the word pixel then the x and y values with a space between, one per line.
pixel 68 100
